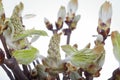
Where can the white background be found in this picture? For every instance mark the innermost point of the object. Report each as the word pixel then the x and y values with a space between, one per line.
pixel 88 9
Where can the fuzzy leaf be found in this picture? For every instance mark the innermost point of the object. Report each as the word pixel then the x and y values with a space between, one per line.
pixel 54 49
pixel 115 37
pixel 29 33
pixel 82 58
pixel 25 56
pixel 69 50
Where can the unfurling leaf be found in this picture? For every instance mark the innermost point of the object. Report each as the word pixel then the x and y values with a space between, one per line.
pixel 54 57
pixel 86 57
pixel 28 33
pixel 25 56
pixel 54 49
pixel 69 50
pixel 115 37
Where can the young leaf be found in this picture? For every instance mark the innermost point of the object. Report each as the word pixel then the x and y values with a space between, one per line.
pixel 69 50
pixel 25 56
pixel 30 32
pixel 115 37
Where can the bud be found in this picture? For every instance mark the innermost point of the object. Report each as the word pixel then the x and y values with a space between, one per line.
pixel 18 9
pixel 2 56
pixel 59 23
pixel 72 6
pixel 61 17
pixel 74 22
pixel 62 13
pixel 48 24
pixel 104 21
pixel 105 12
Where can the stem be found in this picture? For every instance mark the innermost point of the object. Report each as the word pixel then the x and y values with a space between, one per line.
pixel 34 64
pixel 68 33
pixel 37 61
pixel 5 46
pixel 26 71
pixel 55 31
pixel 68 38
pixel 12 64
pixel 7 72
pixel 88 76
pixel 58 77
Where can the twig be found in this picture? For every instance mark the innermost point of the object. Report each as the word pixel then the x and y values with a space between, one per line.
pixel 68 38
pixel 26 71
pixel 5 46
pixel 68 34
pixel 88 76
pixel 12 64
pixel 7 72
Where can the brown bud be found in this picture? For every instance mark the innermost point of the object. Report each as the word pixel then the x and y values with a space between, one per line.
pixel 59 23
pixel 48 24
pixel 2 56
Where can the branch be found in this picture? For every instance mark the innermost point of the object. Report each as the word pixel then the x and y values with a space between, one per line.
pixel 12 64
pixel 5 46
pixel 8 72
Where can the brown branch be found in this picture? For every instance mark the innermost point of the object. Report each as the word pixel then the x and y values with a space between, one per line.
pixel 13 65
pixel 88 76
pixel 26 71
pixel 5 46
pixel 7 72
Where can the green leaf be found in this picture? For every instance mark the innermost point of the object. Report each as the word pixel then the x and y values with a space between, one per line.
pixel 82 58
pixel 25 56
pixel 69 50
pixel 30 32
pixel 115 37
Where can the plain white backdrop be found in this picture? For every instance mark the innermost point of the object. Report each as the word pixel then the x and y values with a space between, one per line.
pixel 88 9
